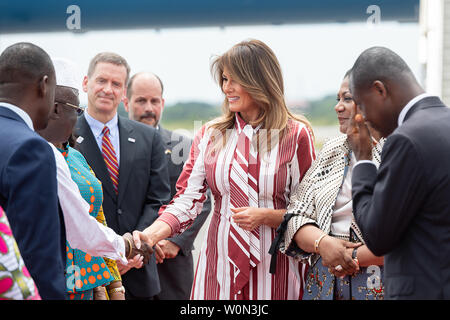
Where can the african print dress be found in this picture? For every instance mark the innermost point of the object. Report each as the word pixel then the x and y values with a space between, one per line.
pixel 277 174
pixel 84 272
pixel 15 280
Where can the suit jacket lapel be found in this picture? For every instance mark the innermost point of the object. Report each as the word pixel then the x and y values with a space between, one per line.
pixel 89 148
pixel 127 152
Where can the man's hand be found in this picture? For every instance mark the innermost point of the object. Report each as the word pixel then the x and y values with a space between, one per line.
pixel 169 249
pixel 359 136
pixel 132 250
pixel 339 272
pixel 334 253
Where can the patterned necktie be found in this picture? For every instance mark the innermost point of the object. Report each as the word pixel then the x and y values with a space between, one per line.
pixel 110 158
pixel 243 246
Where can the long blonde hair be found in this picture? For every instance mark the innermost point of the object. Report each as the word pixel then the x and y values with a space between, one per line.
pixel 254 66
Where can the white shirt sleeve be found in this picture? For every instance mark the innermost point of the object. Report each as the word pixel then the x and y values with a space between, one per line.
pixel 83 231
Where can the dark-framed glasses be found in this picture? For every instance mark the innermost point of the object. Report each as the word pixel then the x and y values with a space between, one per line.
pixel 79 109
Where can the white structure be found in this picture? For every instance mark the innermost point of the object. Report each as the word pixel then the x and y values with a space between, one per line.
pixel 434 47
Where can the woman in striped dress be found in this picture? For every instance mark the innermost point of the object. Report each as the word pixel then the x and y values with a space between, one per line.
pixel 252 158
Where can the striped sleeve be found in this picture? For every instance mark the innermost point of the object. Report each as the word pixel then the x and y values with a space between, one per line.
pixel 187 203
pixel 303 158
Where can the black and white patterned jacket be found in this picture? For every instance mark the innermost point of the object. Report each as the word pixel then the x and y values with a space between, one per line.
pixel 314 200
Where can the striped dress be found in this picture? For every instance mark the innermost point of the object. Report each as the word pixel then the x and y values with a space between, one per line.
pixel 280 171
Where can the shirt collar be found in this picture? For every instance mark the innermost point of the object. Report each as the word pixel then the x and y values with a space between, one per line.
pixel 409 105
pixel 242 125
pixel 21 113
pixel 97 126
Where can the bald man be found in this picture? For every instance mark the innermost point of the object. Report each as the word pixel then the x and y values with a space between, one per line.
pixel 28 187
pixel 145 103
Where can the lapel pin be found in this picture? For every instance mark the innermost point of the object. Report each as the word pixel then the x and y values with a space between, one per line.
pixel 168 151
pixel 132 140
pixel 80 139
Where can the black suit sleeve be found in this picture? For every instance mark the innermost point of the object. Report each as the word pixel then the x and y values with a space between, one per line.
pixel 33 215
pixel 385 202
pixel 158 187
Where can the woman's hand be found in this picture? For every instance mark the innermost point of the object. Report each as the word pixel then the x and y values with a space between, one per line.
pixel 249 218
pixel 135 262
pixel 157 231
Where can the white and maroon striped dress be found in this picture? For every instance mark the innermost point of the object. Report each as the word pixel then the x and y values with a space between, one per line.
pixel 280 171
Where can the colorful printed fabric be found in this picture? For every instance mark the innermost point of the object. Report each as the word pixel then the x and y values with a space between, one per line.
pixel 84 272
pixel 111 263
pixel 82 295
pixel 15 280
pixel 367 284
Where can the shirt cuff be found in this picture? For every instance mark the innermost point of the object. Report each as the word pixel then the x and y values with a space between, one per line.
pixel 120 245
pixel 171 220
pixel 364 161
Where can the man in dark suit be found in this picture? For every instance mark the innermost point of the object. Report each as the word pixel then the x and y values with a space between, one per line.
pixel 145 103
pixel 403 208
pixel 28 187
pixel 129 160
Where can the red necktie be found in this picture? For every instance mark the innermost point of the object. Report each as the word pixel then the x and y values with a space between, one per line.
pixel 110 158
pixel 243 246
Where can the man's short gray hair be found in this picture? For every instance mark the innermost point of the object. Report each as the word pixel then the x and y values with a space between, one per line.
pixel 109 57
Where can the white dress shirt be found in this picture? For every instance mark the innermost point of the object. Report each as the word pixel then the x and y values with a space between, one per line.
pixel 97 128
pixel 83 232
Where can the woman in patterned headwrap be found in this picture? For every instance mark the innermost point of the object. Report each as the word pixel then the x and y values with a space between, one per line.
pixel 320 225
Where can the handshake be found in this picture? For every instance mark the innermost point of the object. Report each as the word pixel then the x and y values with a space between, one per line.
pixel 132 251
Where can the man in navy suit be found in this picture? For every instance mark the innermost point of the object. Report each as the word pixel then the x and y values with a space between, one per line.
pixel 139 185
pixel 403 208
pixel 28 187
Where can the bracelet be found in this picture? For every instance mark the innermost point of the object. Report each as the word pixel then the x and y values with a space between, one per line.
pixel 118 289
pixel 317 242
pixel 131 247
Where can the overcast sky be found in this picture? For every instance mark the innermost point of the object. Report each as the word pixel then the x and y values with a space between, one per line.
pixel 313 57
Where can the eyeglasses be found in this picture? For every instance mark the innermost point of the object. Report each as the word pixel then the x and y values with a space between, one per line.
pixel 79 109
